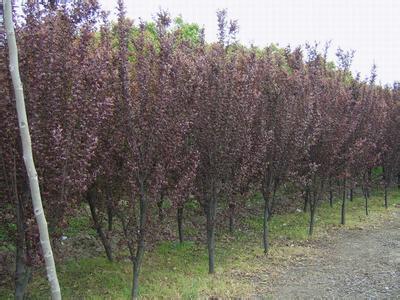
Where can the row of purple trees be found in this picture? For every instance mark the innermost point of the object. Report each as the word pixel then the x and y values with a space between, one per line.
pixel 125 118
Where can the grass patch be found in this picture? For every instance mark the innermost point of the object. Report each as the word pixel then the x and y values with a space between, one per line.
pixel 79 224
pixel 180 271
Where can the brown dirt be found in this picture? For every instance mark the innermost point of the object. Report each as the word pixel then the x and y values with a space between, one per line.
pixel 362 263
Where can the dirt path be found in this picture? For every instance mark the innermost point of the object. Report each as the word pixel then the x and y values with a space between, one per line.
pixel 354 264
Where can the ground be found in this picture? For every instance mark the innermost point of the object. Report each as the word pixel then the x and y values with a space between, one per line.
pixel 358 260
pixel 359 263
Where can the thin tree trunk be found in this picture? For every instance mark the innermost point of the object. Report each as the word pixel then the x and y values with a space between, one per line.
pixel 386 196
pixel 313 206
pixel 137 261
pixel 266 193
pixel 211 215
pixel 339 187
pixel 343 214
pixel 272 202
pixel 110 208
pixel 22 270
pixel 110 217
pixel 366 200
pixel 316 196
pixel 91 198
pixel 180 223
pixel 369 181
pixel 385 186
pixel 125 230
pixel 231 217
pixel 351 194
pixel 330 193
pixel 160 208
pixel 27 154
pixel 306 199
pixel 265 223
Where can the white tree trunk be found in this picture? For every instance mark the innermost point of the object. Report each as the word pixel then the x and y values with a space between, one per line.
pixel 27 153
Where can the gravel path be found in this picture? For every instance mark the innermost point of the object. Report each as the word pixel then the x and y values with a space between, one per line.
pixel 354 264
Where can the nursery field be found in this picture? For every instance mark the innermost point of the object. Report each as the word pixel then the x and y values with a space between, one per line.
pixel 139 159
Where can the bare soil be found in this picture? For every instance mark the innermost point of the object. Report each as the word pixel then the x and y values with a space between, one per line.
pixel 362 263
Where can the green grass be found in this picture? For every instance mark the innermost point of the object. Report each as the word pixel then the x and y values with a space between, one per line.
pixel 294 226
pixel 77 225
pixel 176 271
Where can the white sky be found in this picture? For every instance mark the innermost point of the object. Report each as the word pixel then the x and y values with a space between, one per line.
pixel 370 27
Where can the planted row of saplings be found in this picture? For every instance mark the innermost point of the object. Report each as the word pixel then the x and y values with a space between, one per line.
pixel 103 213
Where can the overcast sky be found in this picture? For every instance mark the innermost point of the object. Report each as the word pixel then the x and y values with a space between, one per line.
pixel 370 27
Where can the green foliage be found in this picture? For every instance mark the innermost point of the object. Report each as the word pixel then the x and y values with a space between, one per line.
pixel 377 171
pixel 7 233
pixel 331 66
pixel 190 32
pixel 192 204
